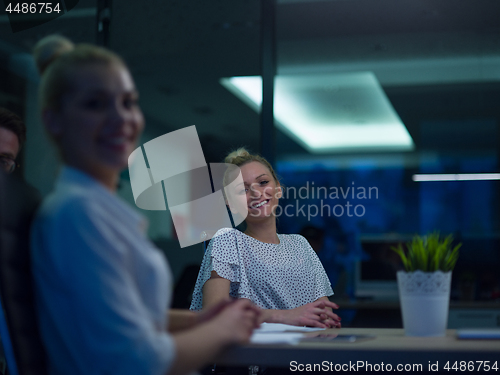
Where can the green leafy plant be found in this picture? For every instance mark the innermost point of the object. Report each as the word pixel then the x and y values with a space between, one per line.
pixel 429 253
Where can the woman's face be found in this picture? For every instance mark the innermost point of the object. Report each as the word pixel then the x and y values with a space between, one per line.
pixel 100 120
pixel 262 191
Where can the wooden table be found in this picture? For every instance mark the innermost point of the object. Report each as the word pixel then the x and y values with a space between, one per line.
pixel 389 347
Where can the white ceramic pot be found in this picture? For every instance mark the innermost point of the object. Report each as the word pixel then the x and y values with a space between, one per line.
pixel 425 300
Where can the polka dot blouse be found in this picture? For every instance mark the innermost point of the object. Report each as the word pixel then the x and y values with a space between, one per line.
pixel 274 276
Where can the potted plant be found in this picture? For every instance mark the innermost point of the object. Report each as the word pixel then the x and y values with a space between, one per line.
pixel 424 286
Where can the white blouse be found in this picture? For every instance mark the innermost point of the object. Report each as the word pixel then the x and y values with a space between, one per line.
pixel 273 276
pixel 102 289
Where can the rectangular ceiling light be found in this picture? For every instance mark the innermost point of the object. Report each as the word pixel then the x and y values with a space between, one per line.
pixel 327 113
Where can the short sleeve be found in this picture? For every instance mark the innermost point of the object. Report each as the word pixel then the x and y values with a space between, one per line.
pixel 322 283
pixel 222 257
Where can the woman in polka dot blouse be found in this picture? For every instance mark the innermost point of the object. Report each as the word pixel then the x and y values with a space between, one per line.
pixel 279 273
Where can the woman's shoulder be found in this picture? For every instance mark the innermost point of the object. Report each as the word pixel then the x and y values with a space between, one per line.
pixel 225 245
pixel 226 232
pixel 297 241
pixel 225 235
pixel 293 238
pixel 67 206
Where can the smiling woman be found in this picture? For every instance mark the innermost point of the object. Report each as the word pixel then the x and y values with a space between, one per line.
pixel 279 273
pixel 102 288
pixel 89 107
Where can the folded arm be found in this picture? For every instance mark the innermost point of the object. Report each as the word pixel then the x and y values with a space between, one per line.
pixel 315 314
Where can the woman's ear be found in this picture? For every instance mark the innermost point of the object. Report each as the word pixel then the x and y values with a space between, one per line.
pixel 279 192
pixel 52 123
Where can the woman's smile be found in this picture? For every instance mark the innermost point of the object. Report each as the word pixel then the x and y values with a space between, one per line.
pixel 256 205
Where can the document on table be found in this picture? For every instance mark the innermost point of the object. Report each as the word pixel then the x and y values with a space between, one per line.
pixel 280 327
pixel 278 333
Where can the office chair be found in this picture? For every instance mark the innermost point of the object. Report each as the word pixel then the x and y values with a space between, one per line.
pixel 18 325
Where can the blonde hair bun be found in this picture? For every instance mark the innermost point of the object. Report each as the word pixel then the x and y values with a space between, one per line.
pixel 49 49
pixel 241 157
pixel 241 152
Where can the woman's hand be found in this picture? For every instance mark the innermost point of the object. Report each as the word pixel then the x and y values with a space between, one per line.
pixel 233 323
pixel 315 314
pixel 236 320
pixel 332 323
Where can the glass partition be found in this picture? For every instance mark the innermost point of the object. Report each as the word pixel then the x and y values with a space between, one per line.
pixel 435 72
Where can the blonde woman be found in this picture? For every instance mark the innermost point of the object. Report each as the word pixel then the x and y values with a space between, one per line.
pixel 102 289
pixel 279 273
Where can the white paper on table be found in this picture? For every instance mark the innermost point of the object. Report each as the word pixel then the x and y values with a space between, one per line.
pixel 278 333
pixel 275 338
pixel 280 327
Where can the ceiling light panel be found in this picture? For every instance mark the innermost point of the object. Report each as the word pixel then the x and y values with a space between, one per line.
pixel 327 113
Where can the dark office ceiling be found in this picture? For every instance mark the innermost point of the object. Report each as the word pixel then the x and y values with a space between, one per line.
pixel 178 51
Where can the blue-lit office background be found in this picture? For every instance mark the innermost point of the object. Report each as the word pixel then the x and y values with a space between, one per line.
pixel 437 62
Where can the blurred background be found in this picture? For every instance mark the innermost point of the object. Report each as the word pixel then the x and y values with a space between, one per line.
pixel 432 66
